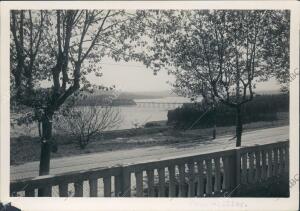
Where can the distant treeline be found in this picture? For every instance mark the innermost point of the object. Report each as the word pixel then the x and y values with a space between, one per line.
pixel 261 108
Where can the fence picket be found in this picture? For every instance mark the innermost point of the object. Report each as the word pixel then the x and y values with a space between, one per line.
pixel 275 162
pixel 78 188
pixel 281 161
pixel 257 166
pixel 161 181
pixel 191 183
pixel 150 179
pixel 286 163
pixel 172 181
pixel 270 163
pixel 264 166
pixel 208 177
pixel 93 183
pixel 118 185
pixel 244 168
pixel 200 185
pixel 29 192
pixel 251 167
pixel 139 183
pixel 182 191
pixel 63 189
pixel 217 187
pixel 107 186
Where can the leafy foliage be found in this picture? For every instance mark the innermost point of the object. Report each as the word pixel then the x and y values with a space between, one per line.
pixel 62 47
pixel 262 108
pixel 221 52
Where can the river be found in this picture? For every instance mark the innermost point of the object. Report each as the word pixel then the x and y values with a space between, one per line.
pixel 138 115
pixel 131 116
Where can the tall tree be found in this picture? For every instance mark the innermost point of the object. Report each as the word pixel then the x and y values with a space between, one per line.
pixel 60 48
pixel 226 51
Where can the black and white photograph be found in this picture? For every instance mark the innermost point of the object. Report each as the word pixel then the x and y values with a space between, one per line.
pixel 152 103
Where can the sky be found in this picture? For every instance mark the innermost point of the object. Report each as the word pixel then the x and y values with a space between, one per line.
pixel 131 77
pixel 135 77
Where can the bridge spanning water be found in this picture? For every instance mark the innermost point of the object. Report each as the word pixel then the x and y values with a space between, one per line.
pixel 169 105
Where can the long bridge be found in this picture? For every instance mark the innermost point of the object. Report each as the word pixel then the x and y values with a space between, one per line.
pixel 159 104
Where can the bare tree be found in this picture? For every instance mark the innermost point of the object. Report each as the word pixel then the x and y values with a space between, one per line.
pixel 87 122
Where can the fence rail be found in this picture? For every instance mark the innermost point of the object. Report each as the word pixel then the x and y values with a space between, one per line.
pixel 208 174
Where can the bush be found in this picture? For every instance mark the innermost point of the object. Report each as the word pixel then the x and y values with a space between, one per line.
pixel 87 122
pixel 261 108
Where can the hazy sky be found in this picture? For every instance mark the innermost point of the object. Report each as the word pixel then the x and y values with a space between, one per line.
pixel 133 76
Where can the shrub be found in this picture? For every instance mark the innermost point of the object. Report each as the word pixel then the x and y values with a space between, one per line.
pixel 261 108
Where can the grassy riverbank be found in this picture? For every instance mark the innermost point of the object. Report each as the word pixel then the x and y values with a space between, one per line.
pixel 25 149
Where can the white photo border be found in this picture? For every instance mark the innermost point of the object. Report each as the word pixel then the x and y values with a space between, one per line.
pixel 23 203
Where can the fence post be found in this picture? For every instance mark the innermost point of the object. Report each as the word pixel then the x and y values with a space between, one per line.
pixel 234 171
pixel 238 166
pixel 124 183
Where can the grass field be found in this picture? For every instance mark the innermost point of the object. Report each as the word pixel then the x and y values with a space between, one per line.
pixel 25 148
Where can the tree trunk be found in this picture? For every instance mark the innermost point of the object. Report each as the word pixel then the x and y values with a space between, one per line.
pixel 215 124
pixel 45 149
pixel 239 126
pixel 214 131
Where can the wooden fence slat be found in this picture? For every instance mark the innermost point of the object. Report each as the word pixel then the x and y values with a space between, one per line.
pixel 244 178
pixel 93 183
pixel 200 185
pixel 191 182
pixel 63 190
pixel 263 167
pixel 139 183
pixel 208 177
pixel 78 188
pixel 107 186
pixel 29 192
pixel 217 187
pixel 172 181
pixel 161 181
pixel 257 166
pixel 182 189
pixel 150 179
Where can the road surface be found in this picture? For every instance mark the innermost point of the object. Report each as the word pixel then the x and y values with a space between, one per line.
pixel 104 159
